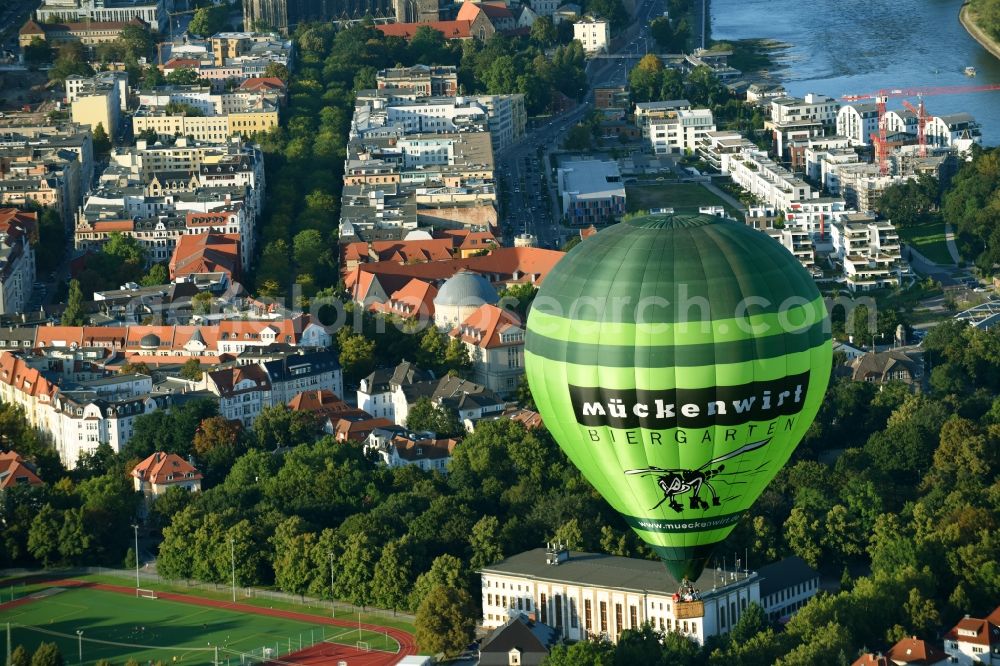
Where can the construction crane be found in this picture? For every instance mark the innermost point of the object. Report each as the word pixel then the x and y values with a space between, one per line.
pixel 881 98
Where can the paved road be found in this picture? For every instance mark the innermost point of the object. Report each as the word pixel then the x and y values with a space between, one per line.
pixel 530 203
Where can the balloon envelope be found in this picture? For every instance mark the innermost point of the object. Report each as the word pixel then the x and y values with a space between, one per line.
pixel 678 360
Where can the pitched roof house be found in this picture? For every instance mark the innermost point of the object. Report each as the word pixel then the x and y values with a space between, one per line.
pixel 521 641
pixel 162 471
pixel 14 471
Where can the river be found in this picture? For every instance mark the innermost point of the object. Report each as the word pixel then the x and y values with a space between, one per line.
pixel 840 47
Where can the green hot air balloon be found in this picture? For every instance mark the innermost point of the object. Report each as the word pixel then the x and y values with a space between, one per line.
pixel 678 360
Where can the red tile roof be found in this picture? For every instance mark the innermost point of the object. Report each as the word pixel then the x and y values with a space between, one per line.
pixel 915 651
pixel 975 631
pixel 483 328
pixel 450 29
pixel 500 265
pixel 24 221
pixel 415 299
pixel 182 63
pixel 872 660
pixel 469 10
pixel 206 253
pixel 424 449
pixel 348 430
pixel 264 83
pixel 399 251
pixel 14 471
pixel 161 468
pixel 312 401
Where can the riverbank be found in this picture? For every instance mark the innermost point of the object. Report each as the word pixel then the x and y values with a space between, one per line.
pixel 977 33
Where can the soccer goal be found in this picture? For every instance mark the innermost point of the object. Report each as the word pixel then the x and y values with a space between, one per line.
pixel 363 646
pixel 148 594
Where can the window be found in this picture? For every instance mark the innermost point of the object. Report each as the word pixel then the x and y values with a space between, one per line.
pixel 587 620
pixel 618 619
pixel 543 609
pixel 573 619
pixel 633 617
pixel 604 617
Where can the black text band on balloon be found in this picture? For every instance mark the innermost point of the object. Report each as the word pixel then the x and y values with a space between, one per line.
pixel 689 408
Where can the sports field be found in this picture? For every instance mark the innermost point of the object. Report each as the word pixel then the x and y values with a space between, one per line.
pixel 120 626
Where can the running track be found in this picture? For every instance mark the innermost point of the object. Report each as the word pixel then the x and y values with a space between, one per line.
pixel 321 653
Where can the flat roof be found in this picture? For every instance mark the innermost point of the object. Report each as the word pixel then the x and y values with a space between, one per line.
pixel 609 571
pixel 591 177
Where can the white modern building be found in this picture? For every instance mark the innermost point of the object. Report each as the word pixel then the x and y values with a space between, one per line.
pixel 681 133
pixel 593 33
pixel 121 11
pixel 812 107
pixel 591 192
pixel 958 131
pixel 858 122
pixel 869 250
pixel 759 175
pixel 586 595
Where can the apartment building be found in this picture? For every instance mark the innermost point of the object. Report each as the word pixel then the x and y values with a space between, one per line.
pixel 858 122
pixel 593 33
pixel 869 251
pixel 98 100
pixel 77 414
pixel 812 107
pixel 591 192
pixel 150 12
pixel 424 80
pixel 683 132
pixel 761 176
pixel 245 390
pixel 18 234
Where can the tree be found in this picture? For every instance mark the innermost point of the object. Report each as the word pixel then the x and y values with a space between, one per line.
pixel 278 426
pixel 74 540
pixel 47 654
pixel 136 42
pixel 276 70
pixel 445 570
pixel 43 536
pixel 218 443
pixel 543 32
pixel 392 576
pixel 486 542
pixel 208 20
pixel 752 621
pixel 191 370
pixel 73 314
pixel 291 561
pixel 37 52
pixel 183 76
pixel 425 416
pixel 102 144
pixel 19 657
pixel 130 559
pixel 456 358
pixel 592 652
pixel 357 357
pixel 157 275
pixel 354 576
pixel 646 78
pixel 444 622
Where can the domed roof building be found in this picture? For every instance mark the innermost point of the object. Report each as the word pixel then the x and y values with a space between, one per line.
pixel 461 295
pixel 149 341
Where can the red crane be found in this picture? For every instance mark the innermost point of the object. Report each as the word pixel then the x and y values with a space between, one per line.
pixel 882 96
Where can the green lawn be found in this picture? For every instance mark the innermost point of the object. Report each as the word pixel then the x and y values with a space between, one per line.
pixel 321 609
pixel 928 239
pixel 682 197
pixel 118 627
